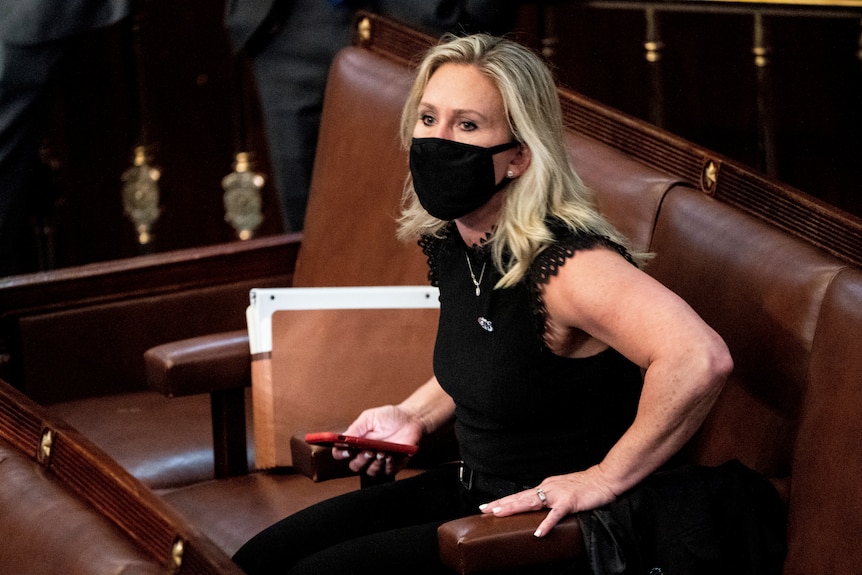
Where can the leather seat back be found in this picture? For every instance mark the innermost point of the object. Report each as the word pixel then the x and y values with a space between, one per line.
pixel 762 290
pixel 627 192
pixel 359 174
pixel 825 522
pixel 45 529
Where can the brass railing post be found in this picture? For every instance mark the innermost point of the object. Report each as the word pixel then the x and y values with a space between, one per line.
pixel 761 50
pixel 653 47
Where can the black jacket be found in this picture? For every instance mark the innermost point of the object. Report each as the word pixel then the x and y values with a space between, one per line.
pixel 693 520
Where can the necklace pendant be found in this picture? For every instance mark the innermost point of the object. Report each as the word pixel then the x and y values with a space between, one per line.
pixel 486 324
pixel 476 282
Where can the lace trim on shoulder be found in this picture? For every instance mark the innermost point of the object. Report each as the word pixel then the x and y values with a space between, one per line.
pixel 430 247
pixel 548 263
pixel 434 247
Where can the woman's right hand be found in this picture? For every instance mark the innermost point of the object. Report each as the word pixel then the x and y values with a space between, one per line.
pixel 387 423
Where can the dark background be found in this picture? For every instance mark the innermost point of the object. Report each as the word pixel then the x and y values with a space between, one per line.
pixel 168 79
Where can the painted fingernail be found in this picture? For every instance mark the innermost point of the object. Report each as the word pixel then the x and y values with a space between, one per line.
pixel 483 507
pixel 497 509
pixel 380 456
pixel 345 453
pixel 538 533
pixel 368 455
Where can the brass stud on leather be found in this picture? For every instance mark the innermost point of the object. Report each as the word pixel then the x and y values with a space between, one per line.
pixel 46 442
pixel 709 177
pixel 177 550
pixel 364 30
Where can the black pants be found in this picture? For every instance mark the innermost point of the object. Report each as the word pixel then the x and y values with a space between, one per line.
pixel 389 528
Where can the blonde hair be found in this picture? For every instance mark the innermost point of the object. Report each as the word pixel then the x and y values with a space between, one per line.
pixel 548 188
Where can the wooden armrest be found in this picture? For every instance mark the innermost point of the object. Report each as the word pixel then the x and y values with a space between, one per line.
pixel 202 364
pixel 218 364
pixel 316 462
pixel 483 543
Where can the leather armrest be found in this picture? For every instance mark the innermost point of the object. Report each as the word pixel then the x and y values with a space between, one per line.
pixel 316 462
pixel 483 543
pixel 204 364
pixel 218 364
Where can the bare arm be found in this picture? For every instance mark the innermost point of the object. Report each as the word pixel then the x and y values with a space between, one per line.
pixel 430 406
pixel 425 410
pixel 686 364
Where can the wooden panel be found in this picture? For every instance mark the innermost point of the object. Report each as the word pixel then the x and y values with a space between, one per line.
pixel 82 331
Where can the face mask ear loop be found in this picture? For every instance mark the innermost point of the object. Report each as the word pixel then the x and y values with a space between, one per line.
pixel 493 150
pixel 503 183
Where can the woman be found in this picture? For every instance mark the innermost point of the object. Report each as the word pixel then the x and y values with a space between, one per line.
pixel 546 324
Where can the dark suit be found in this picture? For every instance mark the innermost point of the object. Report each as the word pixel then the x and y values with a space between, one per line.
pixel 32 35
pixel 291 64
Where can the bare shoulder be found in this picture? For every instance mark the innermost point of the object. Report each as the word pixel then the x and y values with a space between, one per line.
pixel 596 274
pixel 597 290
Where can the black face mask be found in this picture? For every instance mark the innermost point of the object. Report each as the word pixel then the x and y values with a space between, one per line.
pixel 452 179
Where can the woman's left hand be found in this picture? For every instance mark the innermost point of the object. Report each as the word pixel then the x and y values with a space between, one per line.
pixel 563 495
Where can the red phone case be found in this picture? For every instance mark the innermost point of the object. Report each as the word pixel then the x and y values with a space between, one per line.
pixel 329 438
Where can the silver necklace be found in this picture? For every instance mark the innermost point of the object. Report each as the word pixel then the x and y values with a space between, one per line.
pixel 476 282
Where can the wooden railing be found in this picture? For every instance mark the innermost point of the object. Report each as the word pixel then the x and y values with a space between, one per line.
pixel 798 128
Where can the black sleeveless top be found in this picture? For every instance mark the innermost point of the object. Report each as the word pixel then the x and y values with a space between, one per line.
pixel 522 412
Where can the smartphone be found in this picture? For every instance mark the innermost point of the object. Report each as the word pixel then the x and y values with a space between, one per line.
pixel 329 438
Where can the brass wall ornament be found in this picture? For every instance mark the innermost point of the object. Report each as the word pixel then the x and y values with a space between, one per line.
pixel 242 197
pixel 141 195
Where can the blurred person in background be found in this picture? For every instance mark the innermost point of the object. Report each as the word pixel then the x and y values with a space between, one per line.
pixel 291 44
pixel 34 36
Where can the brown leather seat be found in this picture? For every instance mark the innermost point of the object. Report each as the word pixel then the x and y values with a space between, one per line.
pixel 762 291
pixel 825 512
pixel 66 507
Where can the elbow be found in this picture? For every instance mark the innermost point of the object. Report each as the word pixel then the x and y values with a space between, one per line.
pixel 719 364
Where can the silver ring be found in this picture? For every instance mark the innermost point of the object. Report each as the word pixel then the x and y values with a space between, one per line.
pixel 542 497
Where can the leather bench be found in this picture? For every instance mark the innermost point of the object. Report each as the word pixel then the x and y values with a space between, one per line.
pixel 66 507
